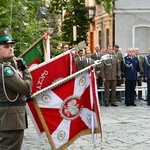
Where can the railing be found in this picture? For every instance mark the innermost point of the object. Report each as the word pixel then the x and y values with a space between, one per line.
pixel 121 89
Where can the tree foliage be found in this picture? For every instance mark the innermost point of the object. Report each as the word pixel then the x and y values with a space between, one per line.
pixel 108 5
pixel 28 20
pixel 76 15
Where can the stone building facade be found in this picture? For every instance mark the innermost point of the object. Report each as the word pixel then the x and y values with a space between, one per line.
pixel 130 26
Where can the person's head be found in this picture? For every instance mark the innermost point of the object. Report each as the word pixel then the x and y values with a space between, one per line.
pixel 130 52
pixel 80 52
pixel 97 48
pixel 103 51
pixel 116 48
pixel 6 44
pixel 88 53
pixel 65 48
pixel 136 51
pixel 109 50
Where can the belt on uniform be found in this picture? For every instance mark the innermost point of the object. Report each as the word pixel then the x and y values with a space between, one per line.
pixel 8 104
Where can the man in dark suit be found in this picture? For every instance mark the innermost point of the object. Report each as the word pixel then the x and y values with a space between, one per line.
pixel 97 56
pixel 146 68
pixel 141 61
pixel 118 54
pixel 79 59
pixel 88 60
pixel 129 68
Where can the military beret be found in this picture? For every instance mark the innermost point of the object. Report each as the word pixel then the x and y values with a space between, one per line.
pixel 5 36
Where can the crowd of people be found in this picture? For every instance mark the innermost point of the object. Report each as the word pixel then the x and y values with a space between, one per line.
pixel 116 69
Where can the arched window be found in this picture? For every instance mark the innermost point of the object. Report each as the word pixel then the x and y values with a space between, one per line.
pixel 100 38
pixel 107 37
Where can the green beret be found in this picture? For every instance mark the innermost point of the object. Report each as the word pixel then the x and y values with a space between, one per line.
pixel 5 36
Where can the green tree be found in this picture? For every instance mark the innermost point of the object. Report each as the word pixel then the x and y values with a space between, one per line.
pixel 28 20
pixel 76 15
pixel 108 6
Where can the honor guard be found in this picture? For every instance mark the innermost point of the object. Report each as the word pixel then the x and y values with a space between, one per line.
pixel 110 71
pixel 130 69
pixel 15 83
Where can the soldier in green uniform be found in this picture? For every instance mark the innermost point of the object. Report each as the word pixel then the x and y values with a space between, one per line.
pixel 15 84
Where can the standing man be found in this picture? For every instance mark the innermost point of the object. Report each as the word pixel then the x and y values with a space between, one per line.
pixel 88 60
pixel 110 71
pixel 15 83
pixel 146 68
pixel 141 61
pixel 97 56
pixel 130 68
pixel 118 54
pixel 79 59
pixel 65 48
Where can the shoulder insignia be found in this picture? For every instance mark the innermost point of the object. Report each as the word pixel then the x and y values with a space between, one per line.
pixel 8 71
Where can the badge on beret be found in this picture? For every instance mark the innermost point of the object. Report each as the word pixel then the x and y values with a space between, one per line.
pixel 8 71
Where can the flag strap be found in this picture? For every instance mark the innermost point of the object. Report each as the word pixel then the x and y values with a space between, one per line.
pixel 95 97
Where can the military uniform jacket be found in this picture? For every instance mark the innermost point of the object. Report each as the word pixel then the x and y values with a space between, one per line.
pixel 13 87
pixel 130 67
pixel 110 68
pixel 119 56
pixel 146 66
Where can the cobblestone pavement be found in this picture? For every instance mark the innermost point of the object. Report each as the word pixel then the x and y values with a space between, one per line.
pixel 124 128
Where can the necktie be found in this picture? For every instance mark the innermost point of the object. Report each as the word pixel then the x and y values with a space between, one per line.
pixel 88 61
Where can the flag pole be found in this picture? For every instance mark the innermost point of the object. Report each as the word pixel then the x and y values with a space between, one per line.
pixel 44 124
pixel 21 55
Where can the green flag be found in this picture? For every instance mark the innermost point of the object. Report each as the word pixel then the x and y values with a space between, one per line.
pixel 35 54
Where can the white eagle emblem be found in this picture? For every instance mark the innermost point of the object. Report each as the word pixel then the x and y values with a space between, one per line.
pixel 71 108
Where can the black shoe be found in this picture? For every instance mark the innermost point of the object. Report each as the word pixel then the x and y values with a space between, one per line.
pixel 133 105
pixel 127 104
pixel 114 105
pixel 148 104
pixel 106 105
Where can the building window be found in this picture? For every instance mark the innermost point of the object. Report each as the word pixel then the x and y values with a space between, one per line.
pixel 100 38
pixel 107 37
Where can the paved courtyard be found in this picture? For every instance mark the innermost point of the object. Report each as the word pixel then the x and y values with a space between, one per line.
pixel 124 128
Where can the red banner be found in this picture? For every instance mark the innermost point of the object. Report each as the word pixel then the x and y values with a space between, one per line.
pixel 68 112
pixel 46 74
